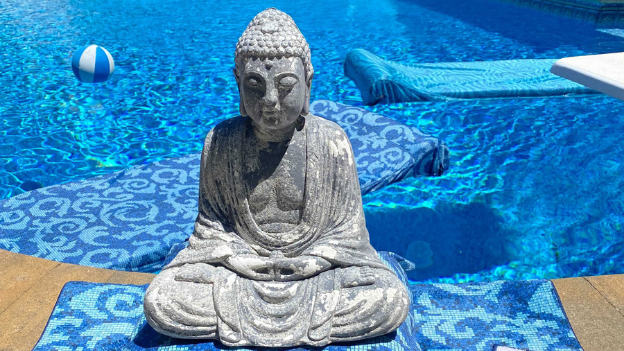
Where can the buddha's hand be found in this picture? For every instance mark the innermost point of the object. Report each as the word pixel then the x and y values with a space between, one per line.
pixel 300 267
pixel 196 273
pixel 251 266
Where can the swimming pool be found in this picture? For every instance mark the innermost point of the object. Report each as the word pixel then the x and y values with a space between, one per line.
pixel 173 82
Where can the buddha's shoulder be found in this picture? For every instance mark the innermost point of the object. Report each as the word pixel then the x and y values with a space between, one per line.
pixel 322 125
pixel 227 128
pixel 230 125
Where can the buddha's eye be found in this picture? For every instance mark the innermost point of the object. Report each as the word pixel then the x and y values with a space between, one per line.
pixel 288 82
pixel 253 82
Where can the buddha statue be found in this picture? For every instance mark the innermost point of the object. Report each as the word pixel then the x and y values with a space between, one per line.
pixel 280 255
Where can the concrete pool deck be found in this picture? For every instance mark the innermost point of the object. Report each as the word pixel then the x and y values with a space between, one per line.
pixel 29 287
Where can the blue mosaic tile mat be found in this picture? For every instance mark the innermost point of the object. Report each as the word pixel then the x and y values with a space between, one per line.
pixel 469 317
pixel 385 150
pixel 527 315
pixel 129 220
pixel 94 316
pixel 381 81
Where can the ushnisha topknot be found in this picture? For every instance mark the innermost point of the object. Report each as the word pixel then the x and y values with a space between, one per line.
pixel 273 34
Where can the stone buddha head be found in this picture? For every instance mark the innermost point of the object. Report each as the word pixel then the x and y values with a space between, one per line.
pixel 273 72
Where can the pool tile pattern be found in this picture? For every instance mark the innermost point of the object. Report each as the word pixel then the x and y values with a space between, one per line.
pixel 91 316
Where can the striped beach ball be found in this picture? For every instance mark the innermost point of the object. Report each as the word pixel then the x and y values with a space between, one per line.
pixel 93 64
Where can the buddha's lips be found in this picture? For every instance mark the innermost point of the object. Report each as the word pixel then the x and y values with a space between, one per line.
pixel 270 113
pixel 271 116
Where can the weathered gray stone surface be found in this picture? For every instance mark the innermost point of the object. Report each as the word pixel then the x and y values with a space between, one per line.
pixel 280 254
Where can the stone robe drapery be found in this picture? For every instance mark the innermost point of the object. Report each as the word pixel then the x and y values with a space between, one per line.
pixel 332 224
pixel 332 227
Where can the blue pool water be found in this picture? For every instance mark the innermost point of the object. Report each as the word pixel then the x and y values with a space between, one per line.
pixel 536 184
pixel 536 190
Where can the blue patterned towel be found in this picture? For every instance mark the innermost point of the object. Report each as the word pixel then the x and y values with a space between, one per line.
pixel 385 150
pixel 129 220
pixel 92 316
pixel 383 81
pixel 465 317
pixel 479 316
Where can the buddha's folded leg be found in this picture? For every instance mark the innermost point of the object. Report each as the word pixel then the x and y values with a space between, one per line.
pixel 370 310
pixel 180 309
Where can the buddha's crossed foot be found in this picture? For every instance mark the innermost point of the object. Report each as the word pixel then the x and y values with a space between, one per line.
pixel 357 276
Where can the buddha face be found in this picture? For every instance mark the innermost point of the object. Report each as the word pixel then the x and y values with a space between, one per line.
pixel 273 91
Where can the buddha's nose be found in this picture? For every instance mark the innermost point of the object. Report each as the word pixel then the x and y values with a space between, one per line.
pixel 270 98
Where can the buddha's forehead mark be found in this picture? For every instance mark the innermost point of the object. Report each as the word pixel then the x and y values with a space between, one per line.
pixel 255 65
pixel 274 65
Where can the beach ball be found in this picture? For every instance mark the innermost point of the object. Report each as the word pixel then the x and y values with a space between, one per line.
pixel 93 64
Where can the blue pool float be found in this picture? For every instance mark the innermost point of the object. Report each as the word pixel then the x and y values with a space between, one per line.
pixel 130 220
pixel 387 82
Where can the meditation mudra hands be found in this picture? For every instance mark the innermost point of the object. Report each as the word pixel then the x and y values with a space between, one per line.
pixel 276 267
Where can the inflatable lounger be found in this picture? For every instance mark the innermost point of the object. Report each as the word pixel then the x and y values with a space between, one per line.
pixel 129 220
pixel 381 81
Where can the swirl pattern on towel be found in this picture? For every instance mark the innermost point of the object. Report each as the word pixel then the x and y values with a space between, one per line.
pixel 126 220
pixel 476 316
pixel 467 317
pixel 94 316
pixel 386 151
pixel 129 220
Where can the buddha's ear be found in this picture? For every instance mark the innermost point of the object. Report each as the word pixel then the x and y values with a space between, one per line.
pixel 241 105
pixel 306 103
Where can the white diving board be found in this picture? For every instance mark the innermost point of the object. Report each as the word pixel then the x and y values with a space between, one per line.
pixel 604 73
